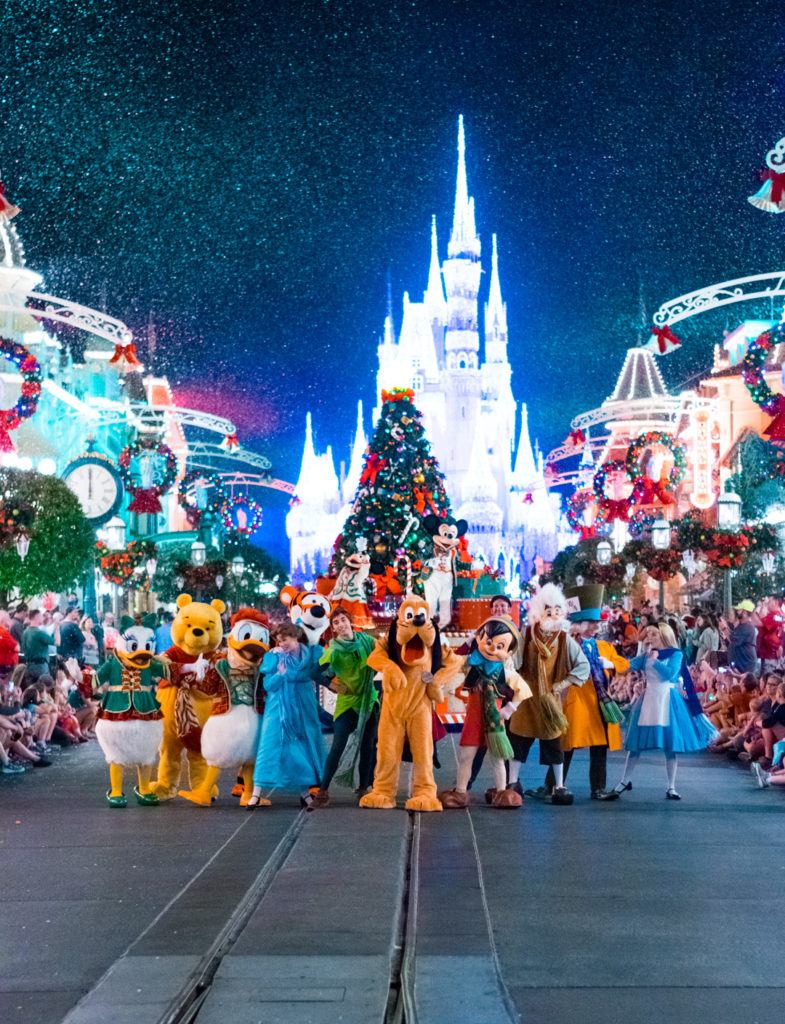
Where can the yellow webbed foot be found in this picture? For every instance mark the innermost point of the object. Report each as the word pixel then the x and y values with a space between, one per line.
pixel 163 792
pixel 377 800
pixel 423 803
pixel 196 796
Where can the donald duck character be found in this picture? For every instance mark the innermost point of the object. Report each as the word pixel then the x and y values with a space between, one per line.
pixel 230 735
pixel 129 727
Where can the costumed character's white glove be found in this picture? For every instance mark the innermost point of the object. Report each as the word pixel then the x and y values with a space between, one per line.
pixel 606 662
pixel 196 668
pixel 561 688
pixel 508 710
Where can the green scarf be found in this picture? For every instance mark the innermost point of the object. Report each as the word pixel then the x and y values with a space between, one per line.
pixel 495 734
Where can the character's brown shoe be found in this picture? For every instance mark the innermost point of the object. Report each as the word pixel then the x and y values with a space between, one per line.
pixel 507 798
pixel 451 798
pixel 490 795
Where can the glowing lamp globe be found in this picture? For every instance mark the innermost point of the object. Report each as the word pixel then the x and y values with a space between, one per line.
pixel 151 565
pixel 198 553
pixel 22 545
pixel 115 534
pixel 238 565
pixel 661 535
pixel 604 553
pixel 629 571
pixel 768 559
pixel 728 511
pixel 219 581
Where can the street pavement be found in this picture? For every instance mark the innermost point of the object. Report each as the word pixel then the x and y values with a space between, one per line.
pixel 638 910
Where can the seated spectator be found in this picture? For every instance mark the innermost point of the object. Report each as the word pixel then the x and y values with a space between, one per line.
pixel 16 732
pixel 9 647
pixel 773 726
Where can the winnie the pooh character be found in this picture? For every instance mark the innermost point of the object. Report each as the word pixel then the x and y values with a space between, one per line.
pixel 414 666
pixel 231 734
pixel 186 698
pixel 129 727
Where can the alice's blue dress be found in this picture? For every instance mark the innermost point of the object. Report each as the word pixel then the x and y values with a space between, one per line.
pixel 291 750
pixel 660 719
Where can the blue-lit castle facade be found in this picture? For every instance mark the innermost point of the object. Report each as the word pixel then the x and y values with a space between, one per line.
pixel 457 363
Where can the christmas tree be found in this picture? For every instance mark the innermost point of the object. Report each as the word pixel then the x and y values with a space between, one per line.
pixel 400 484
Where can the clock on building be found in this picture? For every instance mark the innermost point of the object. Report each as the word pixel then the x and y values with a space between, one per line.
pixel 97 484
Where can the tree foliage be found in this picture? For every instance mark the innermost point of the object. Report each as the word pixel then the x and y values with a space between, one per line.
pixel 62 543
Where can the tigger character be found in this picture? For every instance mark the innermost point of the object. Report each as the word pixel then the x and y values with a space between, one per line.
pixel 309 610
pixel 414 665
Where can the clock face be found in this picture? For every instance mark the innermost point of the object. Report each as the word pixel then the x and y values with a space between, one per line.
pixel 97 486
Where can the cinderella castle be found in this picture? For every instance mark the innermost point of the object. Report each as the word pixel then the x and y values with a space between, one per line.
pixel 459 369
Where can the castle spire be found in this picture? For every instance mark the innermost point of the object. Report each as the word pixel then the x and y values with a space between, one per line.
pixel 495 317
pixel 308 482
pixel 464 240
pixel 358 452
pixel 389 329
pixel 525 467
pixel 434 294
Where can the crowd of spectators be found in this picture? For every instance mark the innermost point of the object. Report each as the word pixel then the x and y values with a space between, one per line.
pixel 47 701
pixel 737 664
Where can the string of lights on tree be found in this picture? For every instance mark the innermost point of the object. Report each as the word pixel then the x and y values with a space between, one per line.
pixel 399 485
pixel 30 392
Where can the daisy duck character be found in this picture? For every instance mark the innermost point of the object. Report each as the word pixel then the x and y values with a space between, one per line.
pixel 230 735
pixel 129 727
pixel 438 573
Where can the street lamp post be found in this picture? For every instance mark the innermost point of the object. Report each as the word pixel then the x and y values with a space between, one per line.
pixel 238 568
pixel 728 518
pixel 661 540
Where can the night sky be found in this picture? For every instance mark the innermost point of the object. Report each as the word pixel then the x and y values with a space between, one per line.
pixel 247 173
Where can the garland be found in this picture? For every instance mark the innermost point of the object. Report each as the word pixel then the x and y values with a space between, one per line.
pixel 28 366
pixel 646 491
pixel 639 522
pixel 660 565
pixel 759 390
pixel 192 512
pixel 577 503
pixel 145 499
pixel 240 501
pixel 613 509
pixel 120 566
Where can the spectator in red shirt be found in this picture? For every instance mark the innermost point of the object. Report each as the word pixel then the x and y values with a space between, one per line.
pixel 9 648
pixel 770 628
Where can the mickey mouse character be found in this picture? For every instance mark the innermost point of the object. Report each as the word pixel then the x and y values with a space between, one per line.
pixel 438 574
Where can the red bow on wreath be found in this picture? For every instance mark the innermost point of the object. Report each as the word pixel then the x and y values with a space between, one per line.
pixel 587 532
pixel 663 340
pixel 617 509
pixel 648 491
pixel 6 424
pixel 146 501
pixel 126 356
pixel 230 442
pixel 576 438
pixel 372 467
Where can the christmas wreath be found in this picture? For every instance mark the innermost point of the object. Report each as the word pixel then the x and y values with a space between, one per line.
pixel 577 504
pixel 759 390
pixel 28 366
pixel 639 522
pixel 215 498
pixel 612 508
pixel 646 491
pixel 145 499
pixel 120 567
pixel 253 520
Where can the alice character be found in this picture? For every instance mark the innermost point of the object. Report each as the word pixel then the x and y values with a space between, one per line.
pixel 356 706
pixel 661 719
pixel 291 751
pixel 495 691
pixel 129 727
pixel 230 736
